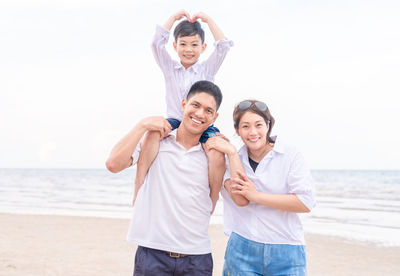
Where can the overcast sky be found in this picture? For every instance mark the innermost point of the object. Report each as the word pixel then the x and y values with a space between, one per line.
pixel 75 76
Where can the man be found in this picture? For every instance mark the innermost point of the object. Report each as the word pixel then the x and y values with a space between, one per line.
pixel 172 211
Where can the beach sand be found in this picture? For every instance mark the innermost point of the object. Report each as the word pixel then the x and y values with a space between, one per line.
pixel 42 245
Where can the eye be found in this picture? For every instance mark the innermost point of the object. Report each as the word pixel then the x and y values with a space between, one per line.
pixel 195 105
pixel 195 45
pixel 259 125
pixel 182 44
pixel 209 111
pixel 245 126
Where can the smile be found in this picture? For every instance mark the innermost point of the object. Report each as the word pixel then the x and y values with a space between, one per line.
pixel 253 139
pixel 196 121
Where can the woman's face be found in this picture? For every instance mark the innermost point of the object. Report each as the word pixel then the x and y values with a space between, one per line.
pixel 253 131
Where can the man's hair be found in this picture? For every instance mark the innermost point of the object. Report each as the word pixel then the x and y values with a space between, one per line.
pixel 206 87
pixel 186 28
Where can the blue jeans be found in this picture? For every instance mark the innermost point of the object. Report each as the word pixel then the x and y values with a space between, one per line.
pixel 244 257
pixel 209 132
pixel 153 262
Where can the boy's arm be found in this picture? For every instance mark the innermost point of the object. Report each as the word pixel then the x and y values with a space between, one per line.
pixel 160 39
pixel 121 155
pixel 176 16
pixel 222 45
pixel 215 30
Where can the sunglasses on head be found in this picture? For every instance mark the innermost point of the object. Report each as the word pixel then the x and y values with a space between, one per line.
pixel 247 104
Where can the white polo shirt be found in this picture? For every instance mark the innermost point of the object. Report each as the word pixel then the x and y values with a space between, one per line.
pixel 172 209
pixel 282 171
pixel 178 80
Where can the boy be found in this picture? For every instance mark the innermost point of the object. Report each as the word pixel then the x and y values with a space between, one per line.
pixel 189 45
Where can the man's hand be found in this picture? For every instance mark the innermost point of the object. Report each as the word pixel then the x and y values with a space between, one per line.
pixel 157 123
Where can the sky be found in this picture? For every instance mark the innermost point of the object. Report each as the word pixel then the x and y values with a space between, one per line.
pixel 75 76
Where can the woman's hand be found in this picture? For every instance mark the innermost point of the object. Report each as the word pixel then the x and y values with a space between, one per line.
pixel 220 144
pixel 245 187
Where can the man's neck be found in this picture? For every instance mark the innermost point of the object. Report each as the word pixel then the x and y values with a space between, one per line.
pixel 186 139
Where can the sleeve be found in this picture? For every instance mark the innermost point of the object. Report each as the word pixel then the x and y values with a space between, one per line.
pixel 213 63
pixel 136 153
pixel 300 181
pixel 160 53
pixel 227 174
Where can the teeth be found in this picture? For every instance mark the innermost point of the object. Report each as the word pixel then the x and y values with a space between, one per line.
pixel 196 121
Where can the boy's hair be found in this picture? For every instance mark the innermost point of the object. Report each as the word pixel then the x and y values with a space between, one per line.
pixel 206 87
pixel 186 28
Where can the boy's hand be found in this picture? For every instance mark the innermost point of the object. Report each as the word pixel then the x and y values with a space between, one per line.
pixel 200 15
pixel 180 14
pixel 215 30
pixel 177 16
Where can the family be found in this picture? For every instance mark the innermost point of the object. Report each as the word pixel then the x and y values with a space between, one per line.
pixel 184 163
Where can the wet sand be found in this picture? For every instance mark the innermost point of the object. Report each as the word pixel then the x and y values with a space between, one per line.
pixel 42 245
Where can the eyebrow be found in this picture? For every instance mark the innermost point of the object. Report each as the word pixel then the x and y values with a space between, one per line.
pixel 249 122
pixel 207 107
pixel 192 41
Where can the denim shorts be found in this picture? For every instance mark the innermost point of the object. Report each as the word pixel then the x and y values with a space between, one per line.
pixel 209 132
pixel 244 257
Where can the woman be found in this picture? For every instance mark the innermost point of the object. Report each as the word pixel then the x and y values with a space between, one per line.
pixel 266 185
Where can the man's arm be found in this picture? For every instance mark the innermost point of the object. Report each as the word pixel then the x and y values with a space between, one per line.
pixel 235 165
pixel 215 30
pixel 121 155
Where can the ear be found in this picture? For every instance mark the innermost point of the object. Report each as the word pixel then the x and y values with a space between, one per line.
pixel 174 44
pixel 237 131
pixel 203 47
pixel 183 104
pixel 215 117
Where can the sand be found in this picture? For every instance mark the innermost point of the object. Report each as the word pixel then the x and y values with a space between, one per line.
pixel 42 245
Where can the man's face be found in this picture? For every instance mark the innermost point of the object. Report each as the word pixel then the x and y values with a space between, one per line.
pixel 199 112
pixel 189 49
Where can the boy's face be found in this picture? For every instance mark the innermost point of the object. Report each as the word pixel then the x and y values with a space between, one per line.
pixel 189 49
pixel 199 112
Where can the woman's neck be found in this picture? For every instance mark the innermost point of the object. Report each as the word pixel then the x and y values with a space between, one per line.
pixel 258 155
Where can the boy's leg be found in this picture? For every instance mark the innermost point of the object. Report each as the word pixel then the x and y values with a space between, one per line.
pixel 148 152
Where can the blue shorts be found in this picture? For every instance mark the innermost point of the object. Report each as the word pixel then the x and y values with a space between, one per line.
pixel 149 261
pixel 247 258
pixel 209 132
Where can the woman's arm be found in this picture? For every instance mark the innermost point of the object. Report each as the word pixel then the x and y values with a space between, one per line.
pixel 285 202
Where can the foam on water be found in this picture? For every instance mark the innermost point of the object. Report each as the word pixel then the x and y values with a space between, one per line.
pixel 360 205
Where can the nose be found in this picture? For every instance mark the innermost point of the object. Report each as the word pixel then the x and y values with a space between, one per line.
pixel 199 113
pixel 252 130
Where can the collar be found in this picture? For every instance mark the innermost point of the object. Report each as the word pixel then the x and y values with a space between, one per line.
pixel 195 67
pixel 172 136
pixel 279 147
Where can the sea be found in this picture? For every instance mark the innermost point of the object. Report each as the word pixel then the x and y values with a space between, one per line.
pixel 354 205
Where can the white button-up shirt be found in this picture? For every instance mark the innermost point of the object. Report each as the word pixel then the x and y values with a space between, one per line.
pixel 172 209
pixel 178 80
pixel 282 171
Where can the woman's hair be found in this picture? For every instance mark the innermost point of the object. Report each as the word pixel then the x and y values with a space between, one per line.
pixel 251 106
